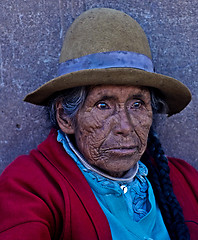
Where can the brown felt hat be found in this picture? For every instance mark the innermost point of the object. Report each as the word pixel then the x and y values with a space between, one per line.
pixel 106 46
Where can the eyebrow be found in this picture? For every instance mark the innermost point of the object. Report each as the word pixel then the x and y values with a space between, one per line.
pixel 138 95
pixel 103 98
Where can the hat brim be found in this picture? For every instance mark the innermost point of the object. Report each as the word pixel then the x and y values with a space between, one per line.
pixel 177 95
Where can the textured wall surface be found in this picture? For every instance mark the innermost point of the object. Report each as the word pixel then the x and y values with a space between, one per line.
pixel 31 35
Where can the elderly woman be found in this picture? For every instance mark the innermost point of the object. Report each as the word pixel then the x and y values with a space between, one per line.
pixel 101 173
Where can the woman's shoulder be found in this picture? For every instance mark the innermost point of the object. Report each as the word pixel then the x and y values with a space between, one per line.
pixel 183 176
pixel 183 167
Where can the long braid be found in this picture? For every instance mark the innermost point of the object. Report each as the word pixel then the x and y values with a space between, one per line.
pixel 162 186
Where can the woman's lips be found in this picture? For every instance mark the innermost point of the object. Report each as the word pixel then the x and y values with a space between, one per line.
pixel 122 150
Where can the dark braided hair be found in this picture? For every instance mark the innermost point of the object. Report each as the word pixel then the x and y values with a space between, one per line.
pixel 161 183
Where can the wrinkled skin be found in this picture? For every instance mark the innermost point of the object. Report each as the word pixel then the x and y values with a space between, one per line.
pixel 112 127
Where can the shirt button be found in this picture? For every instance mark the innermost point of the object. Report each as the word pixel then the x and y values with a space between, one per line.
pixel 124 188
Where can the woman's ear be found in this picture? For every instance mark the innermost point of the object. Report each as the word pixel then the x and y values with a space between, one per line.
pixel 65 123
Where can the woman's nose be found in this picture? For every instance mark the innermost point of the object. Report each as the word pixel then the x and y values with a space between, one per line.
pixel 123 124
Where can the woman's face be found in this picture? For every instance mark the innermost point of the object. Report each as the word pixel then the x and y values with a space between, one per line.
pixel 112 127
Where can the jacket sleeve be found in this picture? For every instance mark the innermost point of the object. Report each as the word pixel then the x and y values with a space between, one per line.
pixel 28 230
pixel 25 213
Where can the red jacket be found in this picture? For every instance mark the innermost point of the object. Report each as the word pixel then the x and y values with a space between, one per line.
pixel 45 196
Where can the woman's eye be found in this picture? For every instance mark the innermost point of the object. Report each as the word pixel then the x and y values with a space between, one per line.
pixel 137 105
pixel 102 106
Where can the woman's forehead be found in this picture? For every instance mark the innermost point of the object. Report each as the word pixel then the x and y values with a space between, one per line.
pixel 118 91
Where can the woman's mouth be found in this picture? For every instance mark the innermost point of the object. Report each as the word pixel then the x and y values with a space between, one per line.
pixel 122 150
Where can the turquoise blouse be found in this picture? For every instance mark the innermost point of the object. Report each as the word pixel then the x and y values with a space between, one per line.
pixel 128 203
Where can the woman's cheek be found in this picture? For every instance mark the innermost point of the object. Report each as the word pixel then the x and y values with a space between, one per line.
pixel 142 128
pixel 89 134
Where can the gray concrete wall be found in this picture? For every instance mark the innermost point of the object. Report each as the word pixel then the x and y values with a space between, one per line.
pixel 31 34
